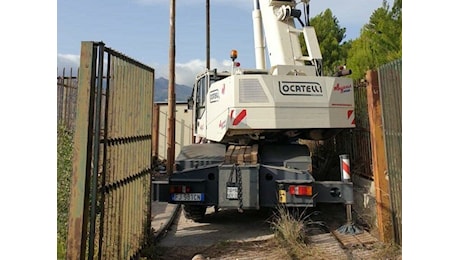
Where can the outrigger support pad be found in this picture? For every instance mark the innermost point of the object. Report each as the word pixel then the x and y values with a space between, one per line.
pixel 349 228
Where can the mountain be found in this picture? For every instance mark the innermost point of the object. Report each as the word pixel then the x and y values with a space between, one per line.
pixel 183 92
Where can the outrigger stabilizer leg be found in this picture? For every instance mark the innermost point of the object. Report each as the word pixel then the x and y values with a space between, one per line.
pixel 349 228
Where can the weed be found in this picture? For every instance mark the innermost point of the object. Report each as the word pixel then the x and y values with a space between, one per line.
pixel 388 251
pixel 64 172
pixel 290 228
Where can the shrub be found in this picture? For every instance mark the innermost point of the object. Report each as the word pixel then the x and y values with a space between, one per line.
pixel 64 172
pixel 289 226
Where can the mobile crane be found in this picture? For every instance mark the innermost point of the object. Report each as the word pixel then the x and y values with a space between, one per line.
pixel 247 123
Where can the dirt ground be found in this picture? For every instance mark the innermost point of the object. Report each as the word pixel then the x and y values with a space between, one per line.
pixel 272 249
pixel 267 249
pixel 320 245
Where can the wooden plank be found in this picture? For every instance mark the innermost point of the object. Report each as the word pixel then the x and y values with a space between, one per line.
pixel 228 154
pixel 241 154
pixel 235 154
pixel 254 153
pixel 328 245
pixel 247 155
pixel 365 238
pixel 361 239
pixel 384 221
pixel 346 240
pixel 81 160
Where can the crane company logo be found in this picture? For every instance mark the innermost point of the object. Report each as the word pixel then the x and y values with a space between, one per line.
pixel 222 124
pixel 342 89
pixel 300 88
pixel 214 96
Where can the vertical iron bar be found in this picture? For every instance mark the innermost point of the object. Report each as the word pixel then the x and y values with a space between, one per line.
pixel 349 216
pixel 61 85
pixel 96 148
pixel 68 108
pixel 64 99
pixel 104 164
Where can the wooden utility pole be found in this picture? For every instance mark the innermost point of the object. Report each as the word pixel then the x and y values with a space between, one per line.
pixel 171 90
pixel 208 65
pixel 155 130
pixel 382 195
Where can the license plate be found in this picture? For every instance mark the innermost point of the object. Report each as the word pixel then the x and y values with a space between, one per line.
pixel 188 197
pixel 232 193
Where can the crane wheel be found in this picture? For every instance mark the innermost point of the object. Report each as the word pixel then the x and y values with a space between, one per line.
pixel 194 212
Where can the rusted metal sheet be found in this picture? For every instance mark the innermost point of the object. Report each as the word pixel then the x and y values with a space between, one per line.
pixel 110 216
pixel 390 80
pixel 378 158
pixel 78 213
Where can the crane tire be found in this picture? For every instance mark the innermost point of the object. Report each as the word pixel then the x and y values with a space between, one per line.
pixel 194 212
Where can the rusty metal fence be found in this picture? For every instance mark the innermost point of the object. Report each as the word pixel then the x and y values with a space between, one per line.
pixel 391 99
pixel 110 209
pixel 359 140
pixel 67 98
pixel 356 142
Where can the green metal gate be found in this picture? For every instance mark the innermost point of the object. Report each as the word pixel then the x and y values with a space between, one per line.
pixel 390 80
pixel 110 209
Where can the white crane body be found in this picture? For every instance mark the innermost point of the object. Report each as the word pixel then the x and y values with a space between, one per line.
pixel 292 98
pixel 254 105
pixel 248 123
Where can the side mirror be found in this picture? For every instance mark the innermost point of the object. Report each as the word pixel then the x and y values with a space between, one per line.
pixel 190 103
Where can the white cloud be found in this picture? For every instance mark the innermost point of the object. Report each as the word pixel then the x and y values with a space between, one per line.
pixel 168 2
pixel 186 72
pixel 68 61
pixel 244 4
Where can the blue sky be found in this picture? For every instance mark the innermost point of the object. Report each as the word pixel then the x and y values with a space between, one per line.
pixel 140 29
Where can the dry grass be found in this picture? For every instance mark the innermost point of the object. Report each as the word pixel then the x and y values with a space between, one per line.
pixel 289 227
pixel 388 251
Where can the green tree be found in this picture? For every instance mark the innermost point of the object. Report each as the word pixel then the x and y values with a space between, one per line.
pixel 330 36
pixel 380 40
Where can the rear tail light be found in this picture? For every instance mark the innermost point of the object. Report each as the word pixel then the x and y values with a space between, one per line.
pixel 300 190
pixel 179 189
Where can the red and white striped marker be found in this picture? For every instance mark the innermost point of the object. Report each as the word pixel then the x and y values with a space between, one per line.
pixel 236 119
pixel 345 167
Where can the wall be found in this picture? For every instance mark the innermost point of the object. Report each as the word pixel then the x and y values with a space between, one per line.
pixel 364 203
pixel 183 128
